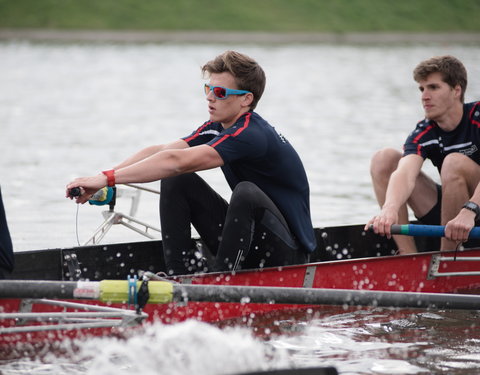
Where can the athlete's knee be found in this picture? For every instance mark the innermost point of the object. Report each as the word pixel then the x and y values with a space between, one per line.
pixel 460 172
pixel 384 162
pixel 457 168
pixel 245 191
pixel 246 198
pixel 457 164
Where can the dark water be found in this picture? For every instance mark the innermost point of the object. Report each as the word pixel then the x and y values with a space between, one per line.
pixel 385 341
pixel 353 340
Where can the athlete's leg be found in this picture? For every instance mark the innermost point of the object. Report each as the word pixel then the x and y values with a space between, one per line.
pixel 460 177
pixel 422 200
pixel 188 199
pixel 255 233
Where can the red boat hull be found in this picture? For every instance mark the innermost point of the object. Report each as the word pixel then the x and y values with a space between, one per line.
pixel 407 273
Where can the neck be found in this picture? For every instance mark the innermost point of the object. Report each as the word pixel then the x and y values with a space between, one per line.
pixel 452 119
pixel 229 124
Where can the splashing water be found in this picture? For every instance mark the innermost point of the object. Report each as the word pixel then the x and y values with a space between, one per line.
pixel 186 348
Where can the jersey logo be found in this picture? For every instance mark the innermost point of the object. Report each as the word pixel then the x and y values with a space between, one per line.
pixel 468 151
pixel 282 138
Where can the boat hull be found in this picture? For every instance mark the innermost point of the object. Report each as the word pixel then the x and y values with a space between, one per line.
pixel 422 272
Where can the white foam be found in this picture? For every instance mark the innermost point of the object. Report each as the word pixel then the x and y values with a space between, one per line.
pixel 185 348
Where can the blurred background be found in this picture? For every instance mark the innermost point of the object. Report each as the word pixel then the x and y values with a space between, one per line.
pixel 326 16
pixel 86 83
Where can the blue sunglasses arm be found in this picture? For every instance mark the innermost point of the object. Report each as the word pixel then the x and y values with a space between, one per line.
pixel 236 92
pixel 229 91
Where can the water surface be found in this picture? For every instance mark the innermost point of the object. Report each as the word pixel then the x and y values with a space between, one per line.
pixel 69 110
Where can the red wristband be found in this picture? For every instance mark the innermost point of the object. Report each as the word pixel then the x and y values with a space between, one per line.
pixel 110 177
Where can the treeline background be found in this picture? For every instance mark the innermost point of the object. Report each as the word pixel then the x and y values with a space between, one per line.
pixel 335 16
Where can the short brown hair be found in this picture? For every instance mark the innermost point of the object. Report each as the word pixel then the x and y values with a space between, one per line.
pixel 452 70
pixel 246 71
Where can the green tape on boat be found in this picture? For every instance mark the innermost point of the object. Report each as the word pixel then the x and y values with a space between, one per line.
pixel 117 291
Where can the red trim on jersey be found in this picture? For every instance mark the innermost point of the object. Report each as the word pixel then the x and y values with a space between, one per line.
pixel 197 133
pixel 237 132
pixel 471 115
pixel 417 138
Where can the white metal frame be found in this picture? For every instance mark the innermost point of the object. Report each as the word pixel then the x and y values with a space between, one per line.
pixel 92 316
pixel 434 268
pixel 112 217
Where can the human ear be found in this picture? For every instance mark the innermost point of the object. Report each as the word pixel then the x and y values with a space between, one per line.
pixel 248 99
pixel 458 91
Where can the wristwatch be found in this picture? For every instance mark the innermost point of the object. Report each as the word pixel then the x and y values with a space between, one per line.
pixel 473 207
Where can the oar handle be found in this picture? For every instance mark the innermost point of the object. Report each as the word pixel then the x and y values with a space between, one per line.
pixel 427 230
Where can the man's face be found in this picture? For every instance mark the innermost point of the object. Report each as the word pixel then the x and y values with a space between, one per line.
pixel 438 98
pixel 228 110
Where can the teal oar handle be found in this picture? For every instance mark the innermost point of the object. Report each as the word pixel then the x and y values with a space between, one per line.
pixel 427 230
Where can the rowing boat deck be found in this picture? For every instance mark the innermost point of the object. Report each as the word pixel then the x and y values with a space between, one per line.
pixel 117 261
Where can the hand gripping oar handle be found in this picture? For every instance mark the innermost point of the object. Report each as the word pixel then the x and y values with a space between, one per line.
pixel 427 230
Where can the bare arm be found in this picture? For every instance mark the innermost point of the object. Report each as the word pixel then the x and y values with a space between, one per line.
pixel 170 162
pixel 400 188
pixel 165 163
pixel 402 182
pixel 458 229
pixel 459 221
pixel 149 151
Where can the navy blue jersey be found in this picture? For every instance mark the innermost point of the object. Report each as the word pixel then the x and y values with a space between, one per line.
pixel 431 142
pixel 253 151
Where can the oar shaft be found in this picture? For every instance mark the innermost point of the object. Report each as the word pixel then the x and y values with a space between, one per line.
pixel 38 289
pixel 315 296
pixel 427 230
pixel 164 292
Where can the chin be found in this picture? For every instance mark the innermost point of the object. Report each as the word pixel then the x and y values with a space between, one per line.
pixel 430 115
pixel 433 117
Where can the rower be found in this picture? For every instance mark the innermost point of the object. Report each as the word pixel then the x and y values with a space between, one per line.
pixel 449 136
pixel 267 221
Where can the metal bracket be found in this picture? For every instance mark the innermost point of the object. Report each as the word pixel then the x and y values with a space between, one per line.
pixel 71 261
pixel 309 277
pixel 433 267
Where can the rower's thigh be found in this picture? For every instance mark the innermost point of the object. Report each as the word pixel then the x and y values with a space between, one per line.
pixel 384 162
pixel 458 167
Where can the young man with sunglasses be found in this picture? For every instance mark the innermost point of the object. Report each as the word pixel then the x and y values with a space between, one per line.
pixel 450 137
pixel 267 221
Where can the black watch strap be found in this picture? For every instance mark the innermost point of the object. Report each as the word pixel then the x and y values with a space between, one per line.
pixel 473 207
